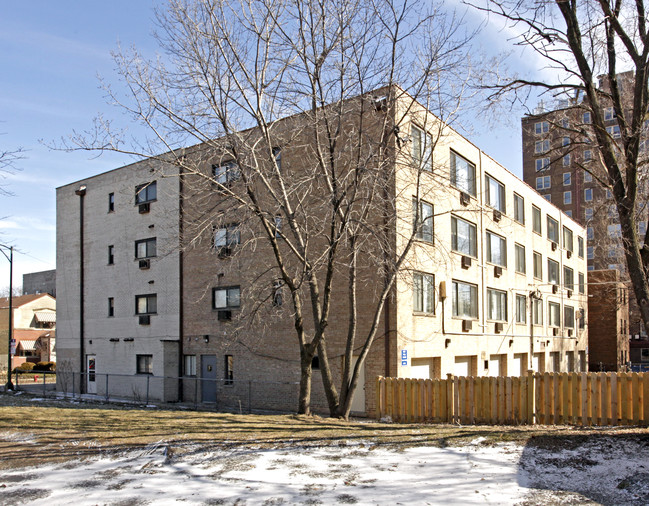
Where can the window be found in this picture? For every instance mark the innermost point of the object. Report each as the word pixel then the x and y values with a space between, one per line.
pixel 543 183
pixel 111 254
pixel 553 272
pixel 227 236
pixel 569 317
pixel 111 306
pixel 567 178
pixel 542 127
pixel 565 141
pixel 554 314
pixel 228 370
pixel 542 146
pixel 548 197
pixel 519 209
pixel 568 239
pixel 612 211
pixel 566 160
pixel 496 249
pixel 277 155
pixel 588 156
pixel 538 265
pixel 277 226
pixel 586 117
pixel 580 247
pixel 496 305
pixel 462 174
pixel 226 173
pixel 521 309
pixel 565 123
pixel 609 114
pixel 463 237
pixel 568 213
pixel 423 293
pixel 423 219
pixel 542 164
pixel 536 220
pixel 422 148
pixel 278 293
pixel 145 248
pixel 590 253
pixel 614 131
pixel 642 228
pixel 553 229
pixel 144 364
pixel 537 311
pixel 588 213
pixel 189 365
pixel 146 304
pixel 519 253
pixel 567 197
pixel 568 278
pixel 146 193
pixel 465 300
pixel 590 233
pixel 582 283
pixel 226 297
pixel 612 251
pixel 111 202
pixel 614 231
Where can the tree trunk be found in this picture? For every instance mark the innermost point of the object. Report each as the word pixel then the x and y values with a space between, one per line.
pixel 327 379
pixel 306 373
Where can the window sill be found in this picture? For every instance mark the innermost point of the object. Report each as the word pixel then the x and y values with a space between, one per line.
pixel 423 313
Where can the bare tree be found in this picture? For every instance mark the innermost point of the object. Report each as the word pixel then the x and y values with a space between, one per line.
pixel 258 84
pixel 588 45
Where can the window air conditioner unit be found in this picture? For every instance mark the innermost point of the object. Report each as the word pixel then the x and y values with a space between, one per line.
pixel 499 327
pixel 555 288
pixel 225 252
pixel 145 319
pixel 569 293
pixel 498 271
pixel 466 262
pixel 224 316
pixel 144 208
pixel 568 253
pixel 145 264
pixel 465 198
pixel 466 325
pixel 569 332
pixel 497 215
pixel 554 246
pixel 555 331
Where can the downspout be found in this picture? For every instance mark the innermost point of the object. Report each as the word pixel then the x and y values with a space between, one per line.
pixel 180 284
pixel 81 192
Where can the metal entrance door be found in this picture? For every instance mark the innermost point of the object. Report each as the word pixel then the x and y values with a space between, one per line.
pixel 91 383
pixel 358 402
pixel 208 378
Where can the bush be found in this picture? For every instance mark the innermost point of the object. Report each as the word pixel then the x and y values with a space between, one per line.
pixel 45 366
pixel 24 367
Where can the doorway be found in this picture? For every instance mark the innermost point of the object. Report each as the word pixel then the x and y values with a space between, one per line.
pixel 91 380
pixel 208 378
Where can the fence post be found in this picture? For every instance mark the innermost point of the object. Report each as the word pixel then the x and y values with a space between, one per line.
pixel 44 376
pixel 530 397
pixel 74 390
pixel 196 393
pixel 249 396
pixel 147 390
pixel 449 398
pixel 107 375
pixel 379 407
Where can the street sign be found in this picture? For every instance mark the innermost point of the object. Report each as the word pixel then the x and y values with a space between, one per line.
pixel 13 346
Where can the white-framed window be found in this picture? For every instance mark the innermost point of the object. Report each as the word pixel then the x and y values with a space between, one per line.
pixel 588 156
pixel 227 236
pixel 554 314
pixel 464 237
pixel 553 229
pixel 145 248
pixel 146 304
pixel 567 178
pixel 567 197
pixel 422 216
pixel 614 231
pixel 189 365
pixel 542 127
pixel 590 253
pixel 568 241
pixel 227 297
pixel 569 317
pixel 495 193
pixel 553 271
pixel 590 233
pixel 536 220
pixel 568 278
pixel 496 249
pixel 462 174
pixel 588 213
pixel 147 192
pixel 538 265
pixel 580 247
pixel 423 293
pixel 582 282
pixel 144 364
pixel 537 311
pixel 465 300
pixel 226 173
pixel 614 131
pixel 588 194
pixel 519 257
pixel 543 183
pixel 521 309
pixel 565 141
pixel 422 149
pixel 542 164
pixel 586 118
pixel 496 305
pixel 542 146
pixel 566 160
pixel 519 208
pixel 609 114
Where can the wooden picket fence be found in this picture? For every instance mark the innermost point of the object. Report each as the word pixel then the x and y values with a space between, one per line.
pixel 537 398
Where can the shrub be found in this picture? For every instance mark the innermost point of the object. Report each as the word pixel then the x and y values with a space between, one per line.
pixel 45 366
pixel 24 367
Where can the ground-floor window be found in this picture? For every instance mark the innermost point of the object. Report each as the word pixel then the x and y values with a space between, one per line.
pixel 144 364
pixel 229 370
pixel 190 365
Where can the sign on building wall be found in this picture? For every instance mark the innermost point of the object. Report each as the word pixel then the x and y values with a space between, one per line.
pixel 404 358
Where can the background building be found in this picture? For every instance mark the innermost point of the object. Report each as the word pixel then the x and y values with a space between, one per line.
pixel 40 282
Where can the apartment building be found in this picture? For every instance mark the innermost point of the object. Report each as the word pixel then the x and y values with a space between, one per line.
pixel 494 282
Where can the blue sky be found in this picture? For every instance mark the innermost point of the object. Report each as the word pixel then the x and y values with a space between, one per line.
pixel 51 54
